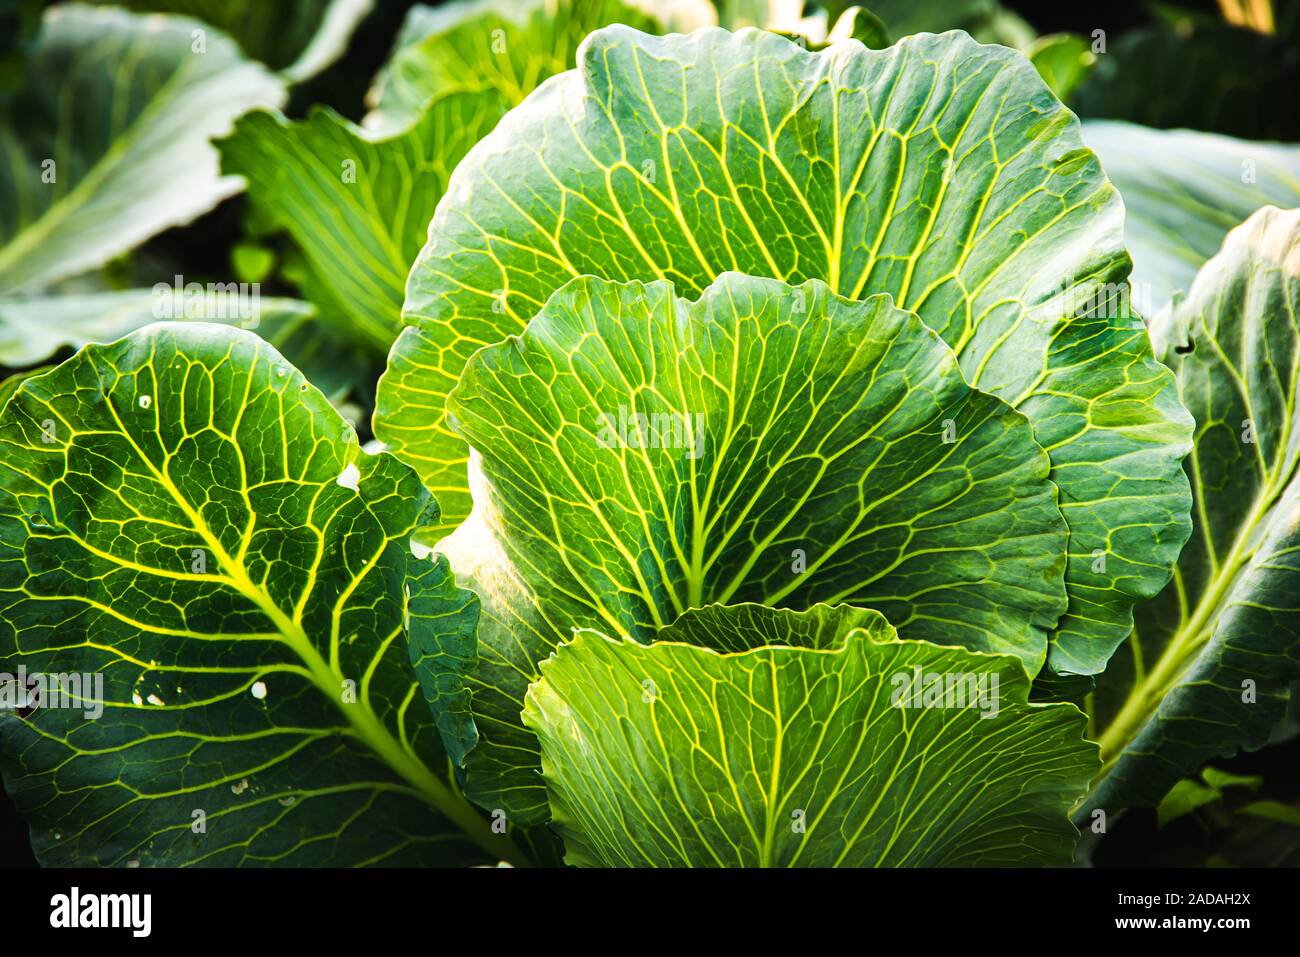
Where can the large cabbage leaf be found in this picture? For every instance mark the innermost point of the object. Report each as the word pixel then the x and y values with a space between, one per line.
pixel 640 455
pixel 939 171
pixel 182 515
pixel 714 748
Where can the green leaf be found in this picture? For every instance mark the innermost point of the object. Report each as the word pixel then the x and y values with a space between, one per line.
pixel 1226 779
pixel 939 171
pixel 442 622
pixel 184 518
pixel 1208 668
pixel 814 754
pixel 640 455
pixel 504 48
pixel 334 22
pixel 357 204
pixel 1274 811
pixel 1182 192
pixel 900 16
pixel 813 26
pixel 107 143
pixel 33 328
pixel 1188 795
pixel 299 38
pixel 252 262
pixel 1184 798
pixel 9 385
pixel 1062 60
pixel 736 14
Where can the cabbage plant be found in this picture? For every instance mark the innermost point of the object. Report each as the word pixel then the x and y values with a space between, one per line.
pixel 972 205
pixel 774 472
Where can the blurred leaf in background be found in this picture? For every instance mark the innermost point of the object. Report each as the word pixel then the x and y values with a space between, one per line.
pixel 297 38
pixel 100 158
pixel 1063 61
pixel 1195 72
pixel 19 23
pixel 1183 190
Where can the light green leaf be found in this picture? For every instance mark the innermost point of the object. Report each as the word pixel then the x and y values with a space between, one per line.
pixel 1184 798
pixel 1182 192
pixel 357 204
pixel 504 48
pixel 33 328
pixel 1062 60
pixel 184 517
pixel 107 143
pixel 252 262
pixel 815 755
pixel 1226 779
pixel 1208 668
pixel 939 171
pixel 1188 795
pixel 640 455
pixel 1274 811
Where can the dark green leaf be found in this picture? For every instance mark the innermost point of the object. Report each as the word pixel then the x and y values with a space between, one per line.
pixel 185 519
pixel 1208 668
pixel 1218 79
pixel 442 624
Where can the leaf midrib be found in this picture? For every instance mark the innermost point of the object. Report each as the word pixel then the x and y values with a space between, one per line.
pixel 329 682
pixel 1146 695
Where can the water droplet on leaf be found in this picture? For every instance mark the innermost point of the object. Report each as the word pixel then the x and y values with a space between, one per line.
pixel 350 477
